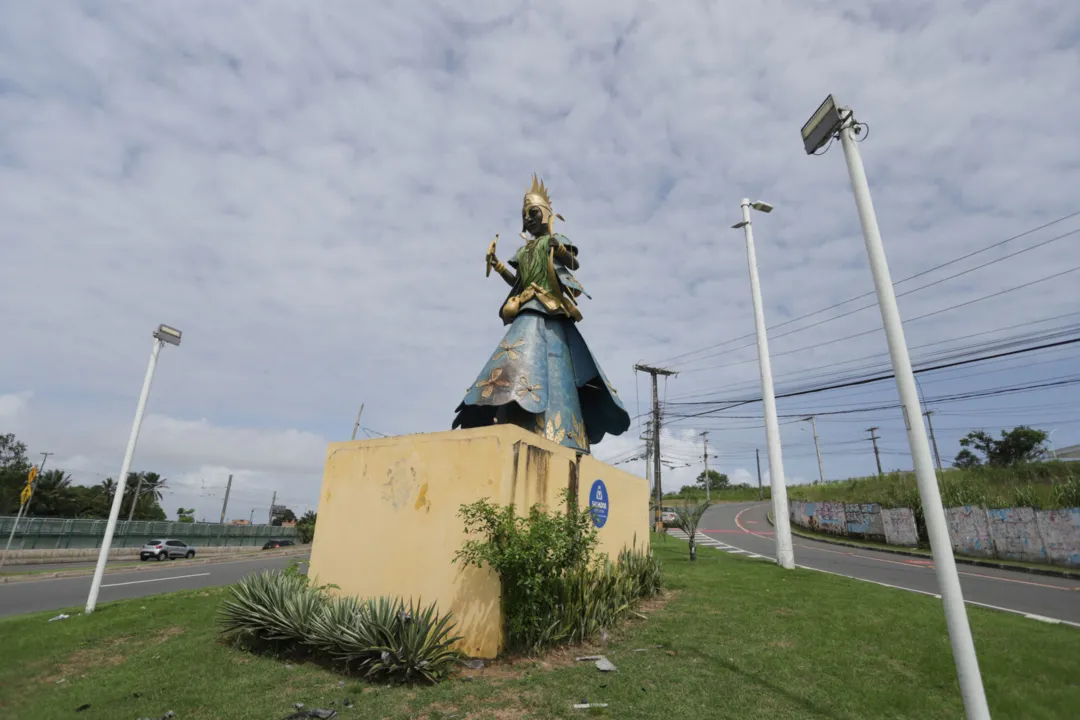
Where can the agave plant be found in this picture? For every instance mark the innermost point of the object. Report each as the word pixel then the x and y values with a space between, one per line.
pixel 271 607
pixel 420 643
pixel 687 518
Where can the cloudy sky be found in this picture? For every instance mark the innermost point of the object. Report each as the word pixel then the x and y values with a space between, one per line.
pixel 308 190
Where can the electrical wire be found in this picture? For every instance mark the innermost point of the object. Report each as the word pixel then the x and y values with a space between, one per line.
pixel 868 294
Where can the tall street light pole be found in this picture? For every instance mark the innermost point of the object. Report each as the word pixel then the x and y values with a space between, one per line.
pixel 785 556
pixel 164 334
pixel 828 121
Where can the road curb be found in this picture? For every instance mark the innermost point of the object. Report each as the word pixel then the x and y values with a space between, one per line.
pixel 1049 572
pixel 86 572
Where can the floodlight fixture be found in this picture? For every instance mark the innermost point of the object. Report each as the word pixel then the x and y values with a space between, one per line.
pixel 761 206
pixel 822 125
pixel 740 224
pixel 167 334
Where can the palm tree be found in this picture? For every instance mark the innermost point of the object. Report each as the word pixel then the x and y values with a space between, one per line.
pixel 52 493
pixel 687 518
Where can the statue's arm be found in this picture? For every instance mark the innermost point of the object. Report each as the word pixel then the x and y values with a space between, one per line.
pixel 506 273
pixel 493 263
pixel 566 254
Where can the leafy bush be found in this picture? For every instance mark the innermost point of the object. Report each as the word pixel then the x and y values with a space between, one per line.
pixel 553 588
pixel 382 638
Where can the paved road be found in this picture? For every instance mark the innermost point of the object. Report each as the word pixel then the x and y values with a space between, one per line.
pixel 744 526
pixel 62 593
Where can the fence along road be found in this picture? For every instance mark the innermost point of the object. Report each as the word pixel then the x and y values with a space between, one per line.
pixel 61 533
pixel 745 526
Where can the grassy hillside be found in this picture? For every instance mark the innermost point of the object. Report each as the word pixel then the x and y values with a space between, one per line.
pixel 1039 485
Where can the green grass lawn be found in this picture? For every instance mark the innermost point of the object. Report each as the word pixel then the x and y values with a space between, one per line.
pixel 741 639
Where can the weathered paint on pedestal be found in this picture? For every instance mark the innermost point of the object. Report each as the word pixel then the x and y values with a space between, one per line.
pixel 389 523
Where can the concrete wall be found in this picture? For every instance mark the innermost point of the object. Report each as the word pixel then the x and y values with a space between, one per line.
pixel 899 526
pixel 864 520
pixel 1038 536
pixel 1060 531
pixel 389 522
pixel 969 531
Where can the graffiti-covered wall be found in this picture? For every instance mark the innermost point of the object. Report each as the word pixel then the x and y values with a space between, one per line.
pixel 1039 536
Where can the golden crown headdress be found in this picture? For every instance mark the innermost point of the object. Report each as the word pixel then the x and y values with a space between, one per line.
pixel 537 196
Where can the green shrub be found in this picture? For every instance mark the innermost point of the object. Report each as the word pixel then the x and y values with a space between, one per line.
pixel 1066 494
pixel 383 638
pixel 553 588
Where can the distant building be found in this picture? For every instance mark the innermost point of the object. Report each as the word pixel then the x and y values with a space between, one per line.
pixel 241 522
pixel 288 523
pixel 1071 452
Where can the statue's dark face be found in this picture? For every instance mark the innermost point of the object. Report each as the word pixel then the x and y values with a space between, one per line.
pixel 532 219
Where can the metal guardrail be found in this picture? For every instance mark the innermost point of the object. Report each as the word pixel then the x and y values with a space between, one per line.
pixel 58 533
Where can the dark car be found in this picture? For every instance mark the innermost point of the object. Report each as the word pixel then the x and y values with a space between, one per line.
pixel 275 544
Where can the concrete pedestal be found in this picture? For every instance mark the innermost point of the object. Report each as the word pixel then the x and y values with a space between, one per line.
pixel 389 522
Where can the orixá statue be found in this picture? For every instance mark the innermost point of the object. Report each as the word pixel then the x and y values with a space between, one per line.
pixel 543 376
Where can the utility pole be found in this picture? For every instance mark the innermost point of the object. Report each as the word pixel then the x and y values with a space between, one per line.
pixel 135 500
pixel 760 492
pixel 654 372
pixel 273 501
pixel 933 440
pixel 817 447
pixel 708 482
pixel 647 437
pixel 357 425
pixel 874 439
pixel 24 506
pixel 251 517
pixel 226 503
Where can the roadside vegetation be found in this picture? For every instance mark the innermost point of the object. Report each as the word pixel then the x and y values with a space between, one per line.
pixel 733 637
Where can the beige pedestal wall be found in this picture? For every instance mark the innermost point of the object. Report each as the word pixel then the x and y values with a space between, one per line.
pixel 389 522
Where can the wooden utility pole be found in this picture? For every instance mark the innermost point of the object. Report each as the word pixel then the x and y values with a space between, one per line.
pixel 273 502
pixel 708 482
pixel 817 448
pixel 760 492
pixel 226 503
pixel 933 440
pixel 654 372
pixel 874 439
pixel 357 425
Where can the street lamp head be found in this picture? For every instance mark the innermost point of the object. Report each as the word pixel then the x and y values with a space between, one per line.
pixel 740 224
pixel 167 334
pixel 821 126
pixel 761 206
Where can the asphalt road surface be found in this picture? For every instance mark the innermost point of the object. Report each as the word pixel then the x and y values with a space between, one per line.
pixel 745 527
pixel 63 593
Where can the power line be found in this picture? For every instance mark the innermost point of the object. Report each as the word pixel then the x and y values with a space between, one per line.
pixel 898 282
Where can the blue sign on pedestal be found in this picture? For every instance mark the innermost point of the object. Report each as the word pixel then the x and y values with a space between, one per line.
pixel 598 503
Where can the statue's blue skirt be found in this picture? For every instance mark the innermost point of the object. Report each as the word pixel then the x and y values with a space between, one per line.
pixel 543 377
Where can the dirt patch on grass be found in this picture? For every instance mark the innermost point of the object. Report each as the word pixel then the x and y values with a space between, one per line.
pixel 516 666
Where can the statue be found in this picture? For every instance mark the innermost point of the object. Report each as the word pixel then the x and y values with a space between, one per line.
pixel 542 376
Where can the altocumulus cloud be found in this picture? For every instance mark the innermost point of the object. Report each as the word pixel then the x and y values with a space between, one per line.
pixel 308 193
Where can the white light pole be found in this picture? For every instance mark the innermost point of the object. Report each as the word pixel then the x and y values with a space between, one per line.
pixel 828 121
pixel 1053 450
pixel 785 556
pixel 164 334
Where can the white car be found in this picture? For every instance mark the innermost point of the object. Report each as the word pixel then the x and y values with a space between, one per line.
pixel 667 516
pixel 166 550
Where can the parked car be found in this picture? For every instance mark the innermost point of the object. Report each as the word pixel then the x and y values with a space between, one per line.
pixel 166 549
pixel 275 544
pixel 667 516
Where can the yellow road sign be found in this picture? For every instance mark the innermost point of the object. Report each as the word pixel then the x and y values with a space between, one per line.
pixel 33 474
pixel 25 497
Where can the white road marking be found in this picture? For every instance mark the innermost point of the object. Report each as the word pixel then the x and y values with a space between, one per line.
pixel 1029 616
pixel 137 582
